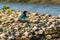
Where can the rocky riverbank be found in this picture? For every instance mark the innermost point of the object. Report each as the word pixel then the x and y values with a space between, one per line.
pixel 34 27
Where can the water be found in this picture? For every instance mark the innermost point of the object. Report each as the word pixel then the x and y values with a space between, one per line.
pixel 40 8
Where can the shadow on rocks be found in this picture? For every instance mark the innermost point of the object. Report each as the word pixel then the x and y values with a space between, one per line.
pixel 35 38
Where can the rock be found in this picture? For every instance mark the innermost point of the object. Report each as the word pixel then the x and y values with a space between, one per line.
pixel 53 17
pixel 1 35
pixel 6 12
pixel 23 37
pixel 58 20
pixel 35 20
pixel 18 38
pixel 43 17
pixel 34 28
pixel 55 35
pixel 10 37
pixel 53 23
pixel 40 31
pixel 36 33
pixel 26 34
pixel 48 23
pixel 13 12
pixel 50 26
pixel 17 33
pixel 47 15
pixel 25 24
pixel 48 36
pixel 41 20
pixel 43 28
pixel 33 13
pixel 51 20
pixel 46 32
pixel 30 36
pixel 59 16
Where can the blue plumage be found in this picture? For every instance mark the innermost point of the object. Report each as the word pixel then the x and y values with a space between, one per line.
pixel 22 15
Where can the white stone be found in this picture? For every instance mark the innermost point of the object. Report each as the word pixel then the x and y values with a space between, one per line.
pixel 40 31
pixel 10 37
pixel 47 23
pixel 1 35
pixel 50 20
pixel 43 28
pixel 52 25
pixel 17 33
pixel 30 20
pixel 58 20
pixel 30 36
pixel 34 28
pixel 36 33
pixel 23 37
pixel 48 36
pixel 24 25
pixel 33 13
pixel 34 20
pixel 26 34
pixel 16 28
pixel 16 19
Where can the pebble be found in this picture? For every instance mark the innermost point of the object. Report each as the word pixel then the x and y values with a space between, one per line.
pixel 16 28
pixel 1 35
pixel 26 34
pixel 47 15
pixel 55 35
pixel 34 28
pixel 58 20
pixel 43 28
pixel 17 33
pixel 35 20
pixel 30 36
pixel 51 20
pixel 48 36
pixel 33 13
pixel 40 31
